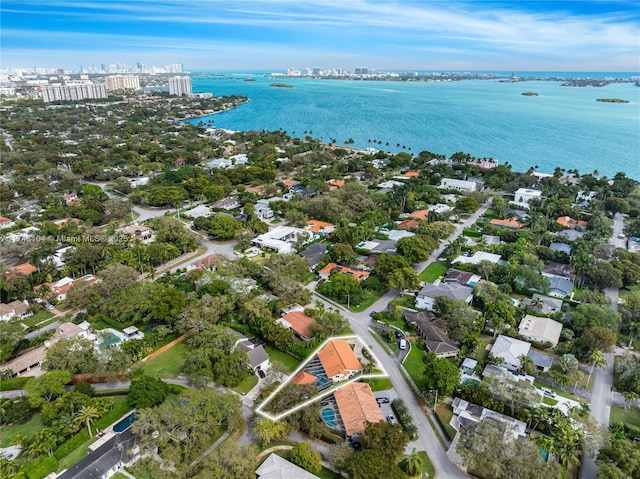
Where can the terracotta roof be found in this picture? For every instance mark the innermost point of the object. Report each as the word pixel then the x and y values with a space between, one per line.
pixel 408 224
pixel 508 223
pixel 337 357
pixel 316 226
pixel 411 174
pixel 300 323
pixel 357 274
pixel 4 219
pixel 290 183
pixel 568 222
pixel 335 183
pixel 304 377
pixel 25 269
pixel 357 406
pixel 420 214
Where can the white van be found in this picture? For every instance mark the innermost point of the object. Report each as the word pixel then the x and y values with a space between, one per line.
pixel 403 344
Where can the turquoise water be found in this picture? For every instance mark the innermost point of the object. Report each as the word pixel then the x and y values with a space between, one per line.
pixel 563 126
pixel 329 417
pixel 470 381
pixel 110 339
pixel 125 423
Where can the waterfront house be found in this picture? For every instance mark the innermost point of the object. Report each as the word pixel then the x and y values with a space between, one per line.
pixel 460 185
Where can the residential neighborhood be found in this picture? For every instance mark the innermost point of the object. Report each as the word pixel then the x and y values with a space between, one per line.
pixel 179 300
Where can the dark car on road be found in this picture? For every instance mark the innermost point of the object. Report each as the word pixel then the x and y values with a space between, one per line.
pixel 399 335
pixel 382 400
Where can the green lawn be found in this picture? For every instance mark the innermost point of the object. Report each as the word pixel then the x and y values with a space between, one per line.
pixel 393 345
pixel 369 298
pixel 433 271
pixel 427 467
pixel 445 413
pixel 549 401
pixel 287 362
pixel 27 429
pixel 38 317
pixel 246 384
pixel 559 392
pixel 168 364
pixel 630 416
pixel 76 455
pixel 414 365
pixel 323 474
pixel 481 353
pixel 379 384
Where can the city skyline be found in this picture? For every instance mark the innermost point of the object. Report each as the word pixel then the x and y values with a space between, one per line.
pixel 416 35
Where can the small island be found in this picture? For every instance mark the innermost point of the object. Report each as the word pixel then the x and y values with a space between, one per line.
pixel 529 93
pixel 613 100
pixel 281 85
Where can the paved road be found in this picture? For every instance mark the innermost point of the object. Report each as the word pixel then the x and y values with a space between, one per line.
pixel 601 394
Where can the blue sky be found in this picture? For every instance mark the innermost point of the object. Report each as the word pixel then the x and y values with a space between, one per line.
pixel 581 35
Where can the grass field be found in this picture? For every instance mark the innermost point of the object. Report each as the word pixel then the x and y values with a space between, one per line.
pixel 433 271
pixel 38 317
pixel 379 384
pixel 630 416
pixel 246 384
pixel 445 413
pixel 414 365
pixel 287 362
pixel 168 364
pixel 427 467
pixel 481 353
pixel 370 298
pixel 28 429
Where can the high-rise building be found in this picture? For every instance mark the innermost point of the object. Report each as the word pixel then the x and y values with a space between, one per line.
pixel 73 91
pixel 122 82
pixel 180 85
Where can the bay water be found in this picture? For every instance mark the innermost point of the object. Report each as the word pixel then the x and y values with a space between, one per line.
pixel 562 126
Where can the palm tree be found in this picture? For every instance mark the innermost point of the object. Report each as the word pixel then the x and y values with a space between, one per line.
pixel 86 415
pixel 633 329
pixel 412 464
pixel 629 397
pixel 596 358
pixel 579 375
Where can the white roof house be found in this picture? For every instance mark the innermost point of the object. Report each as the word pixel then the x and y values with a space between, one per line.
pixel 524 195
pixel 460 185
pixel 510 350
pixel 282 239
pixel 543 330
pixel 276 467
pixel 477 257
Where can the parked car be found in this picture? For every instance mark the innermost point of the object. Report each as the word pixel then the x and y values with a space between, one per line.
pixel 391 418
pixel 403 344
pixel 382 400
pixel 261 373
pixel 399 334
pixel 621 236
pixel 49 307
pixel 372 313
pixel 548 392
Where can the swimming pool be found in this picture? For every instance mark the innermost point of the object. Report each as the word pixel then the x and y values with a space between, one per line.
pixel 470 381
pixel 323 381
pixel 329 417
pixel 110 339
pixel 125 423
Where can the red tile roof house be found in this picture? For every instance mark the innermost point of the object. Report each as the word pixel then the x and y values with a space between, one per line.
pixel 299 322
pixel 60 288
pixel 408 224
pixel 508 223
pixel 568 222
pixel 320 227
pixel 420 215
pixel 357 406
pixel 328 269
pixel 6 222
pixel 338 360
